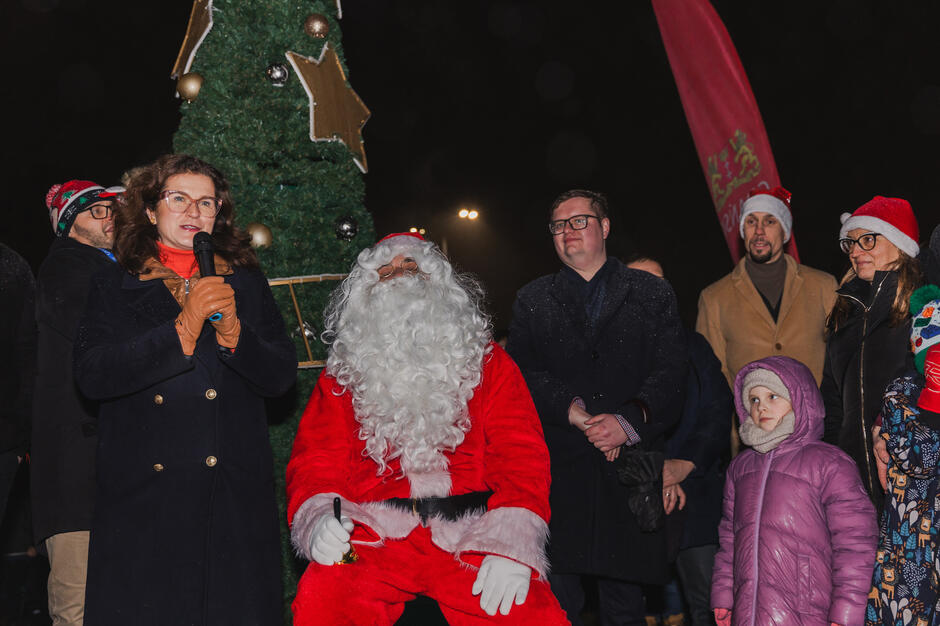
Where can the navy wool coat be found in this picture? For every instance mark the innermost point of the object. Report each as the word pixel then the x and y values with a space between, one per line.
pixel 634 352
pixel 185 528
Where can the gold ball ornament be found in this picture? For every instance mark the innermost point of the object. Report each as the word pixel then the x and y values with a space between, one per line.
pixel 260 235
pixel 188 86
pixel 316 25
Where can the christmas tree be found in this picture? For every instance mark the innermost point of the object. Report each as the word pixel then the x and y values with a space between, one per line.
pixel 266 100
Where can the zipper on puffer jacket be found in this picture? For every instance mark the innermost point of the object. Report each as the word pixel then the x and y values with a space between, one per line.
pixel 861 383
pixel 757 524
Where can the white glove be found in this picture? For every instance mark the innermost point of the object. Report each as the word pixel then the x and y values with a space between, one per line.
pixel 502 581
pixel 329 540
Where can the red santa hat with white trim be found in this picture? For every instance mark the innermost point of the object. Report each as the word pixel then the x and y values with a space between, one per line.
pixel 775 201
pixel 892 218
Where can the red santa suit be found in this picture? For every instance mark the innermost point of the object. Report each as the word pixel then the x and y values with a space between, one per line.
pixel 503 452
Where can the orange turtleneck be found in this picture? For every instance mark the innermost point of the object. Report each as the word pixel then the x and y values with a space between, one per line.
pixel 182 262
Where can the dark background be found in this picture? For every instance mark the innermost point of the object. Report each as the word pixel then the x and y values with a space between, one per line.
pixel 502 105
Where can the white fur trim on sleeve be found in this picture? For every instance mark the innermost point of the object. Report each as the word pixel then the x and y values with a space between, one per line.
pixel 322 504
pixel 512 532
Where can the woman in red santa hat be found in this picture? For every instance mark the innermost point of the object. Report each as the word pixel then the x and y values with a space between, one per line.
pixel 868 331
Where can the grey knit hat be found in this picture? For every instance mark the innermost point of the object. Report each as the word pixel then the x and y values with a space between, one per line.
pixel 763 378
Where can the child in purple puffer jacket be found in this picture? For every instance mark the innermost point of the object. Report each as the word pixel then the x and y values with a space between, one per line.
pixel 798 532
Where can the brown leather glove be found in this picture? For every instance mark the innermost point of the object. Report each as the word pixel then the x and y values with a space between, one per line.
pixel 228 328
pixel 209 295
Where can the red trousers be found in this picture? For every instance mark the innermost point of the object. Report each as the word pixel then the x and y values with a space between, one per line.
pixel 374 589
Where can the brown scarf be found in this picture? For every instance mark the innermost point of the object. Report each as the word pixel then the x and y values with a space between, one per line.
pixel 178 286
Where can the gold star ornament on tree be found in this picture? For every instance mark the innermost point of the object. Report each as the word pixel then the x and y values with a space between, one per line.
pixel 200 23
pixel 336 112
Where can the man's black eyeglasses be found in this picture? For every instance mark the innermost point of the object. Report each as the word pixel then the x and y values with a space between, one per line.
pixel 100 211
pixel 576 222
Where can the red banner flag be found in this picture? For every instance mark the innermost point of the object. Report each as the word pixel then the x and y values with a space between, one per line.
pixel 726 125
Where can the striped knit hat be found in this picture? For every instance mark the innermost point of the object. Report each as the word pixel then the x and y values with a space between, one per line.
pixel 67 200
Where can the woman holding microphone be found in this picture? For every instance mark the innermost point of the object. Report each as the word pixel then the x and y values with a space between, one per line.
pixel 185 528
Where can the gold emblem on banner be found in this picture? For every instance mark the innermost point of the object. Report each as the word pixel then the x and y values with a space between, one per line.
pixel 732 167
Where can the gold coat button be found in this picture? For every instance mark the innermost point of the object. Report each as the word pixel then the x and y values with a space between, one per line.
pixel 158 399
pixel 158 467
pixel 211 461
pixel 211 394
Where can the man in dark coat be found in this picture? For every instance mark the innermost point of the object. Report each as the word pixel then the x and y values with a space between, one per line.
pixel 17 364
pixel 600 348
pixel 62 471
pixel 697 450
pixel 696 453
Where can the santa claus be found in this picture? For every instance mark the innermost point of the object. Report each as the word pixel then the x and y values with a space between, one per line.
pixel 422 434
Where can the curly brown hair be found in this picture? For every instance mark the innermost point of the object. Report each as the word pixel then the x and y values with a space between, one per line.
pixel 909 279
pixel 135 238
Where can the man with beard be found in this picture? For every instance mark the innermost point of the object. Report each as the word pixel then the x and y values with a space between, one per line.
pixel 769 304
pixel 64 436
pixel 421 451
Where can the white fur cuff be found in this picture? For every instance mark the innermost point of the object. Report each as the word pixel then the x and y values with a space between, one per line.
pixel 322 504
pixel 512 532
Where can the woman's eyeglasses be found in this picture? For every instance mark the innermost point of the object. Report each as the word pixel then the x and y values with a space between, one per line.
pixel 180 201
pixel 866 242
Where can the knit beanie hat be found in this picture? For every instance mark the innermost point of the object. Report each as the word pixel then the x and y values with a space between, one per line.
pixel 65 201
pixel 892 218
pixel 925 327
pixel 763 378
pixel 775 201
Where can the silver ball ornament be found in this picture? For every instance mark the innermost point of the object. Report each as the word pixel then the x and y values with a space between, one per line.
pixel 346 227
pixel 277 74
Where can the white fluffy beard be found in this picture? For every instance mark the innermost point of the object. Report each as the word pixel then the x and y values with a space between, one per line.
pixel 410 350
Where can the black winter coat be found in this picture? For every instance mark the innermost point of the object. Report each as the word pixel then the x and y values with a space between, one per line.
pixel 17 350
pixel 186 528
pixel 634 352
pixel 65 424
pixel 862 358
pixel 703 436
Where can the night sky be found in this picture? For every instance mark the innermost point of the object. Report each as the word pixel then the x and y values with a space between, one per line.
pixel 502 105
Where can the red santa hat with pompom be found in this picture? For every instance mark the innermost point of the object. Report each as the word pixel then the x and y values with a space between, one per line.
pixel 892 218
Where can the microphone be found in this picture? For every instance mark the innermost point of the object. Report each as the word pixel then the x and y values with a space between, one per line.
pixel 205 256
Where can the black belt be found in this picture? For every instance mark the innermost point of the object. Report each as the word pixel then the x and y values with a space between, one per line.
pixel 450 508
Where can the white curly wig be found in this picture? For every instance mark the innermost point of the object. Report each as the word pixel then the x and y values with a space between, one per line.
pixel 410 351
